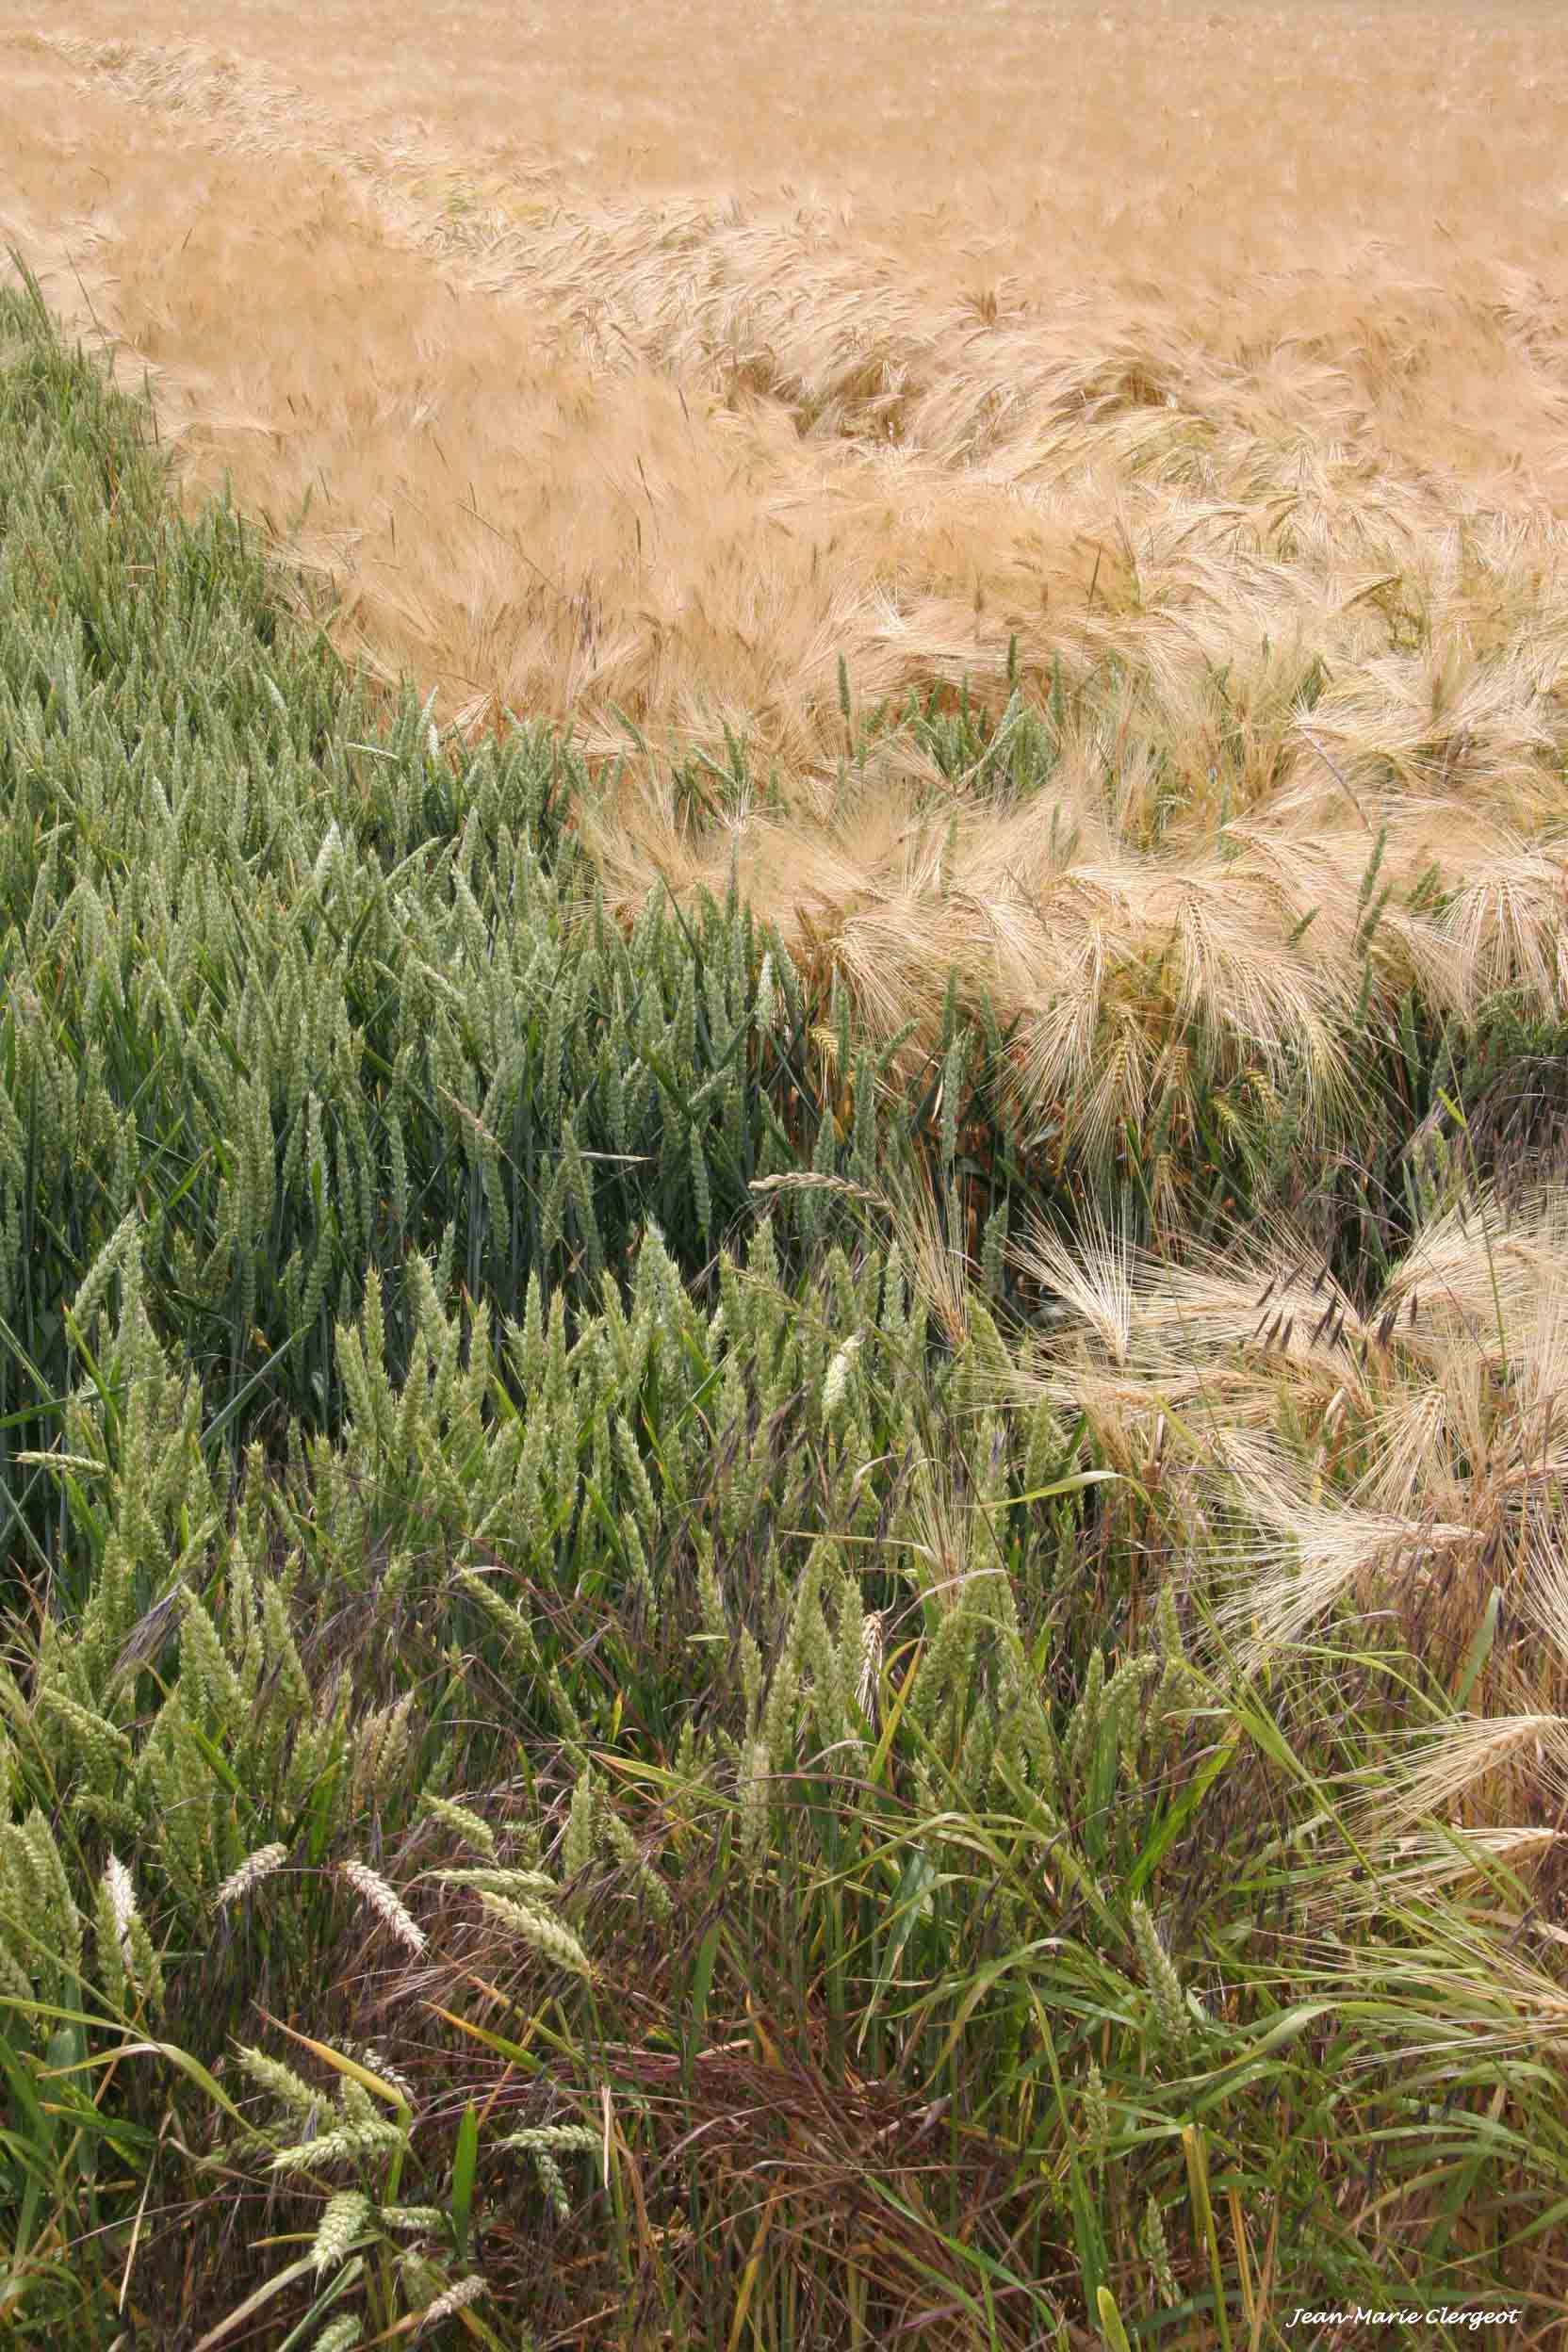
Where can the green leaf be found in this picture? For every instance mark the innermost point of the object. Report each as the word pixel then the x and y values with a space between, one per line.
pixel 1180 1813
pixel 1110 2321
pixel 465 2159
pixel 920 1876
pixel 1479 1652
pixel 702 1978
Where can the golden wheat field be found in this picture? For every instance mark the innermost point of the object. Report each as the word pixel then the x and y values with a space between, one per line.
pixel 642 366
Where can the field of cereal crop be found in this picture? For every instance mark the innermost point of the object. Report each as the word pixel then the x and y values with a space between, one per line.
pixel 783 1173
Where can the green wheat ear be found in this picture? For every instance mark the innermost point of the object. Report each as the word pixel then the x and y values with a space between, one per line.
pixel 1165 1986
pixel 340 2334
pixel 1158 2249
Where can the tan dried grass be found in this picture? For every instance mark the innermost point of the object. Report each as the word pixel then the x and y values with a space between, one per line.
pixel 609 364
pixel 1410 1460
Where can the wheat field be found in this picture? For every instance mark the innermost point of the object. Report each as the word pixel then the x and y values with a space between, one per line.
pixel 683 381
pixel 783 1455
pixel 658 365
